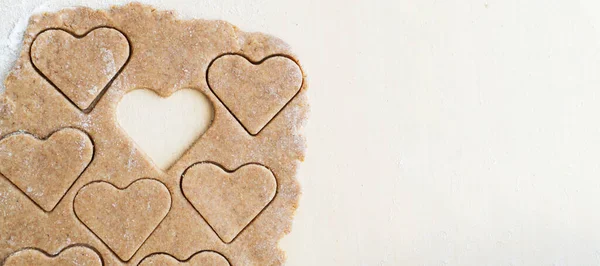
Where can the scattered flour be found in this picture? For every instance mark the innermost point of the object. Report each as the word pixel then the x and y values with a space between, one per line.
pixel 109 60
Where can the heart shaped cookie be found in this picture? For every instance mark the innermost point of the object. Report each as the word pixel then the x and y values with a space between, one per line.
pixel 80 67
pixel 203 258
pixel 148 119
pixel 254 93
pixel 45 169
pixel 123 218
pixel 228 201
pixel 71 256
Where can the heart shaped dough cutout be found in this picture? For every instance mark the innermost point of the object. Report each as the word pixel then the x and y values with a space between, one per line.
pixel 123 218
pixel 80 67
pixel 228 201
pixel 164 128
pixel 45 169
pixel 254 93
pixel 71 256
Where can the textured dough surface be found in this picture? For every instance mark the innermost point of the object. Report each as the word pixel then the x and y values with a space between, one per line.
pixel 205 258
pixel 167 55
pixel 235 80
pixel 57 54
pixel 71 256
pixel 123 218
pixel 45 169
pixel 249 188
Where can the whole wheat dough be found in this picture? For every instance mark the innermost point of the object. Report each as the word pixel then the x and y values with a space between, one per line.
pixel 110 199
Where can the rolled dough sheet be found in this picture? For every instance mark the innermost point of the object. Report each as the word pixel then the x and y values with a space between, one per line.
pixel 76 186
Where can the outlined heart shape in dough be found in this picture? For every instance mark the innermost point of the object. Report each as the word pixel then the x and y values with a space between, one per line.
pixel 81 67
pixel 123 218
pixel 254 92
pixel 164 128
pixel 71 256
pixel 228 200
pixel 44 170
pixel 202 258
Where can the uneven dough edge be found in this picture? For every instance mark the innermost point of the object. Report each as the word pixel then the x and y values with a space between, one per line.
pixel 253 45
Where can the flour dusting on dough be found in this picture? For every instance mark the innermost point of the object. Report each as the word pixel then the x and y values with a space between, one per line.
pixel 170 55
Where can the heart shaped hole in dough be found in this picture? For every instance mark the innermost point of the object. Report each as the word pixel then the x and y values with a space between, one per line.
pixel 164 128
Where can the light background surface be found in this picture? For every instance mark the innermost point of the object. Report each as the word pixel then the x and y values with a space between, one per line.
pixel 441 132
